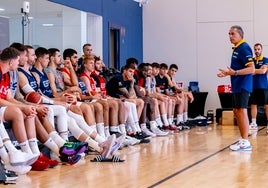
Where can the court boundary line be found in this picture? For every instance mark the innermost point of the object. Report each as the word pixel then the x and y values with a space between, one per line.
pixel 192 165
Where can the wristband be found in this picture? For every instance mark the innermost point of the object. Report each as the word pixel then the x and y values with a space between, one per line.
pixel 236 73
pixel 47 101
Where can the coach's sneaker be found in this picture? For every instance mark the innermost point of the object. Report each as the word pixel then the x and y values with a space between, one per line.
pixel 253 126
pixel 21 158
pixel 241 145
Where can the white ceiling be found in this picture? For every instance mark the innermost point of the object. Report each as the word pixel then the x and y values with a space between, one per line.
pixel 38 8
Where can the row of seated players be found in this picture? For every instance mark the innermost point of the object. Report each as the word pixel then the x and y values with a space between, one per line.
pixel 107 146
pixel 30 122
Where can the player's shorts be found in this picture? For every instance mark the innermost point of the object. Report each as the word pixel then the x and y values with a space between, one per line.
pixel 2 111
pixel 259 97
pixel 240 100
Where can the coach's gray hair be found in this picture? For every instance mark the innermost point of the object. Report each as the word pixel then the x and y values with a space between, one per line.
pixel 239 30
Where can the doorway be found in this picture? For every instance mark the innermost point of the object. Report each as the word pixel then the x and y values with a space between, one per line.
pixel 114 48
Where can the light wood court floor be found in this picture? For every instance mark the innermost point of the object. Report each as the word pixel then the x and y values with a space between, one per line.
pixel 199 158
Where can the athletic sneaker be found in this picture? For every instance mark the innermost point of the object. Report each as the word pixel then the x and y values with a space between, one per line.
pixel 133 141
pixel 148 132
pixel 186 126
pixel 54 156
pixel 241 145
pixel 253 126
pixel 142 137
pixel 70 159
pixel 73 148
pixel 52 163
pixel 158 132
pixel 19 158
pixel 126 143
pixel 117 134
pixel 107 145
pixel 118 142
pixel 171 128
pixel 191 124
pixel 18 169
pixel 39 165
pixel 180 126
pixel 10 175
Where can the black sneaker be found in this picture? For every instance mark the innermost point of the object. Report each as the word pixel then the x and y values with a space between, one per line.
pixel 140 137
pixel 10 175
pixel 144 141
pixel 186 126
pixel 145 135
pixel 180 126
pixel 117 134
pixel 191 124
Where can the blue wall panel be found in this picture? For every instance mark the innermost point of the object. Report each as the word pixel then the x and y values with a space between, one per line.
pixel 125 15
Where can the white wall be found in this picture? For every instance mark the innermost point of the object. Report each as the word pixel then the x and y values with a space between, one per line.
pixel 194 35
pixel 95 33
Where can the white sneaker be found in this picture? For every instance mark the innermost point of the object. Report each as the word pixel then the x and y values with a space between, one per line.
pixel 148 132
pixel 158 132
pixel 253 126
pixel 20 170
pixel 133 141
pixel 241 145
pixel 107 145
pixel 19 158
pixel 54 156
pixel 126 143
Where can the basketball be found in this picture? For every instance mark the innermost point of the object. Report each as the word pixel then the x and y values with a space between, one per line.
pixel 34 97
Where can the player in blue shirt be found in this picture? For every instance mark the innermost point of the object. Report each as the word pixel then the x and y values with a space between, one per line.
pixel 259 96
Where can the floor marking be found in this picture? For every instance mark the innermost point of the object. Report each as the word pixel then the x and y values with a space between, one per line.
pixel 192 165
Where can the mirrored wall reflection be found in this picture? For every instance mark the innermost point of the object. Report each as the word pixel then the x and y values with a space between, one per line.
pixel 49 25
pixel 4 32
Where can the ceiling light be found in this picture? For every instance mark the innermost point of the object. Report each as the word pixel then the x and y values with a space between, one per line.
pixel 48 25
pixel 2 9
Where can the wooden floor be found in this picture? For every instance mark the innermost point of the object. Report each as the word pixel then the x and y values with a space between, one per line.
pixel 199 158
